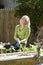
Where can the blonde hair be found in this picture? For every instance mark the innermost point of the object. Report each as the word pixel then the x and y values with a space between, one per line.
pixel 27 19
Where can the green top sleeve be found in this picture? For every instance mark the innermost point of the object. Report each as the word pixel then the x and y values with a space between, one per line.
pixel 28 30
pixel 15 33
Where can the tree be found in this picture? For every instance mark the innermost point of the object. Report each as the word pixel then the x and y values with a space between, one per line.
pixel 32 8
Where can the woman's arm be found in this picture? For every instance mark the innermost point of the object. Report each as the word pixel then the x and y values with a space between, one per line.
pixel 23 41
pixel 15 34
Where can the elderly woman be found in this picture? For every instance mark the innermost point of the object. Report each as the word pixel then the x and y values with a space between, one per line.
pixel 22 31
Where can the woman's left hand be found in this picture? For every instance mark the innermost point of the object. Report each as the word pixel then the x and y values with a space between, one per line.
pixel 23 41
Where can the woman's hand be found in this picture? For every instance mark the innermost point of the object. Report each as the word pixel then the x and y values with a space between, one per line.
pixel 17 39
pixel 23 41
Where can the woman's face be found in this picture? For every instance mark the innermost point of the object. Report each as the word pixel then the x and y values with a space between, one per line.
pixel 23 21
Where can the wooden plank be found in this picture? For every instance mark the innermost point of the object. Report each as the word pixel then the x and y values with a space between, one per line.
pixel 1 25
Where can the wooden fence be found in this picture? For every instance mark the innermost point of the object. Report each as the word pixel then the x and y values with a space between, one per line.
pixel 7 25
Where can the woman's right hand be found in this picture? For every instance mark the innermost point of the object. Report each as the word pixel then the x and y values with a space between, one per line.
pixel 18 40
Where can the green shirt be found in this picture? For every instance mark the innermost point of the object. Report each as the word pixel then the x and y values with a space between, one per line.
pixel 22 34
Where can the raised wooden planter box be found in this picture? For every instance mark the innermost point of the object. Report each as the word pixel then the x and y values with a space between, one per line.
pixel 19 59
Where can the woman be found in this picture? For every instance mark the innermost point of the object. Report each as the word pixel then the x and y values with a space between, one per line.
pixel 22 31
